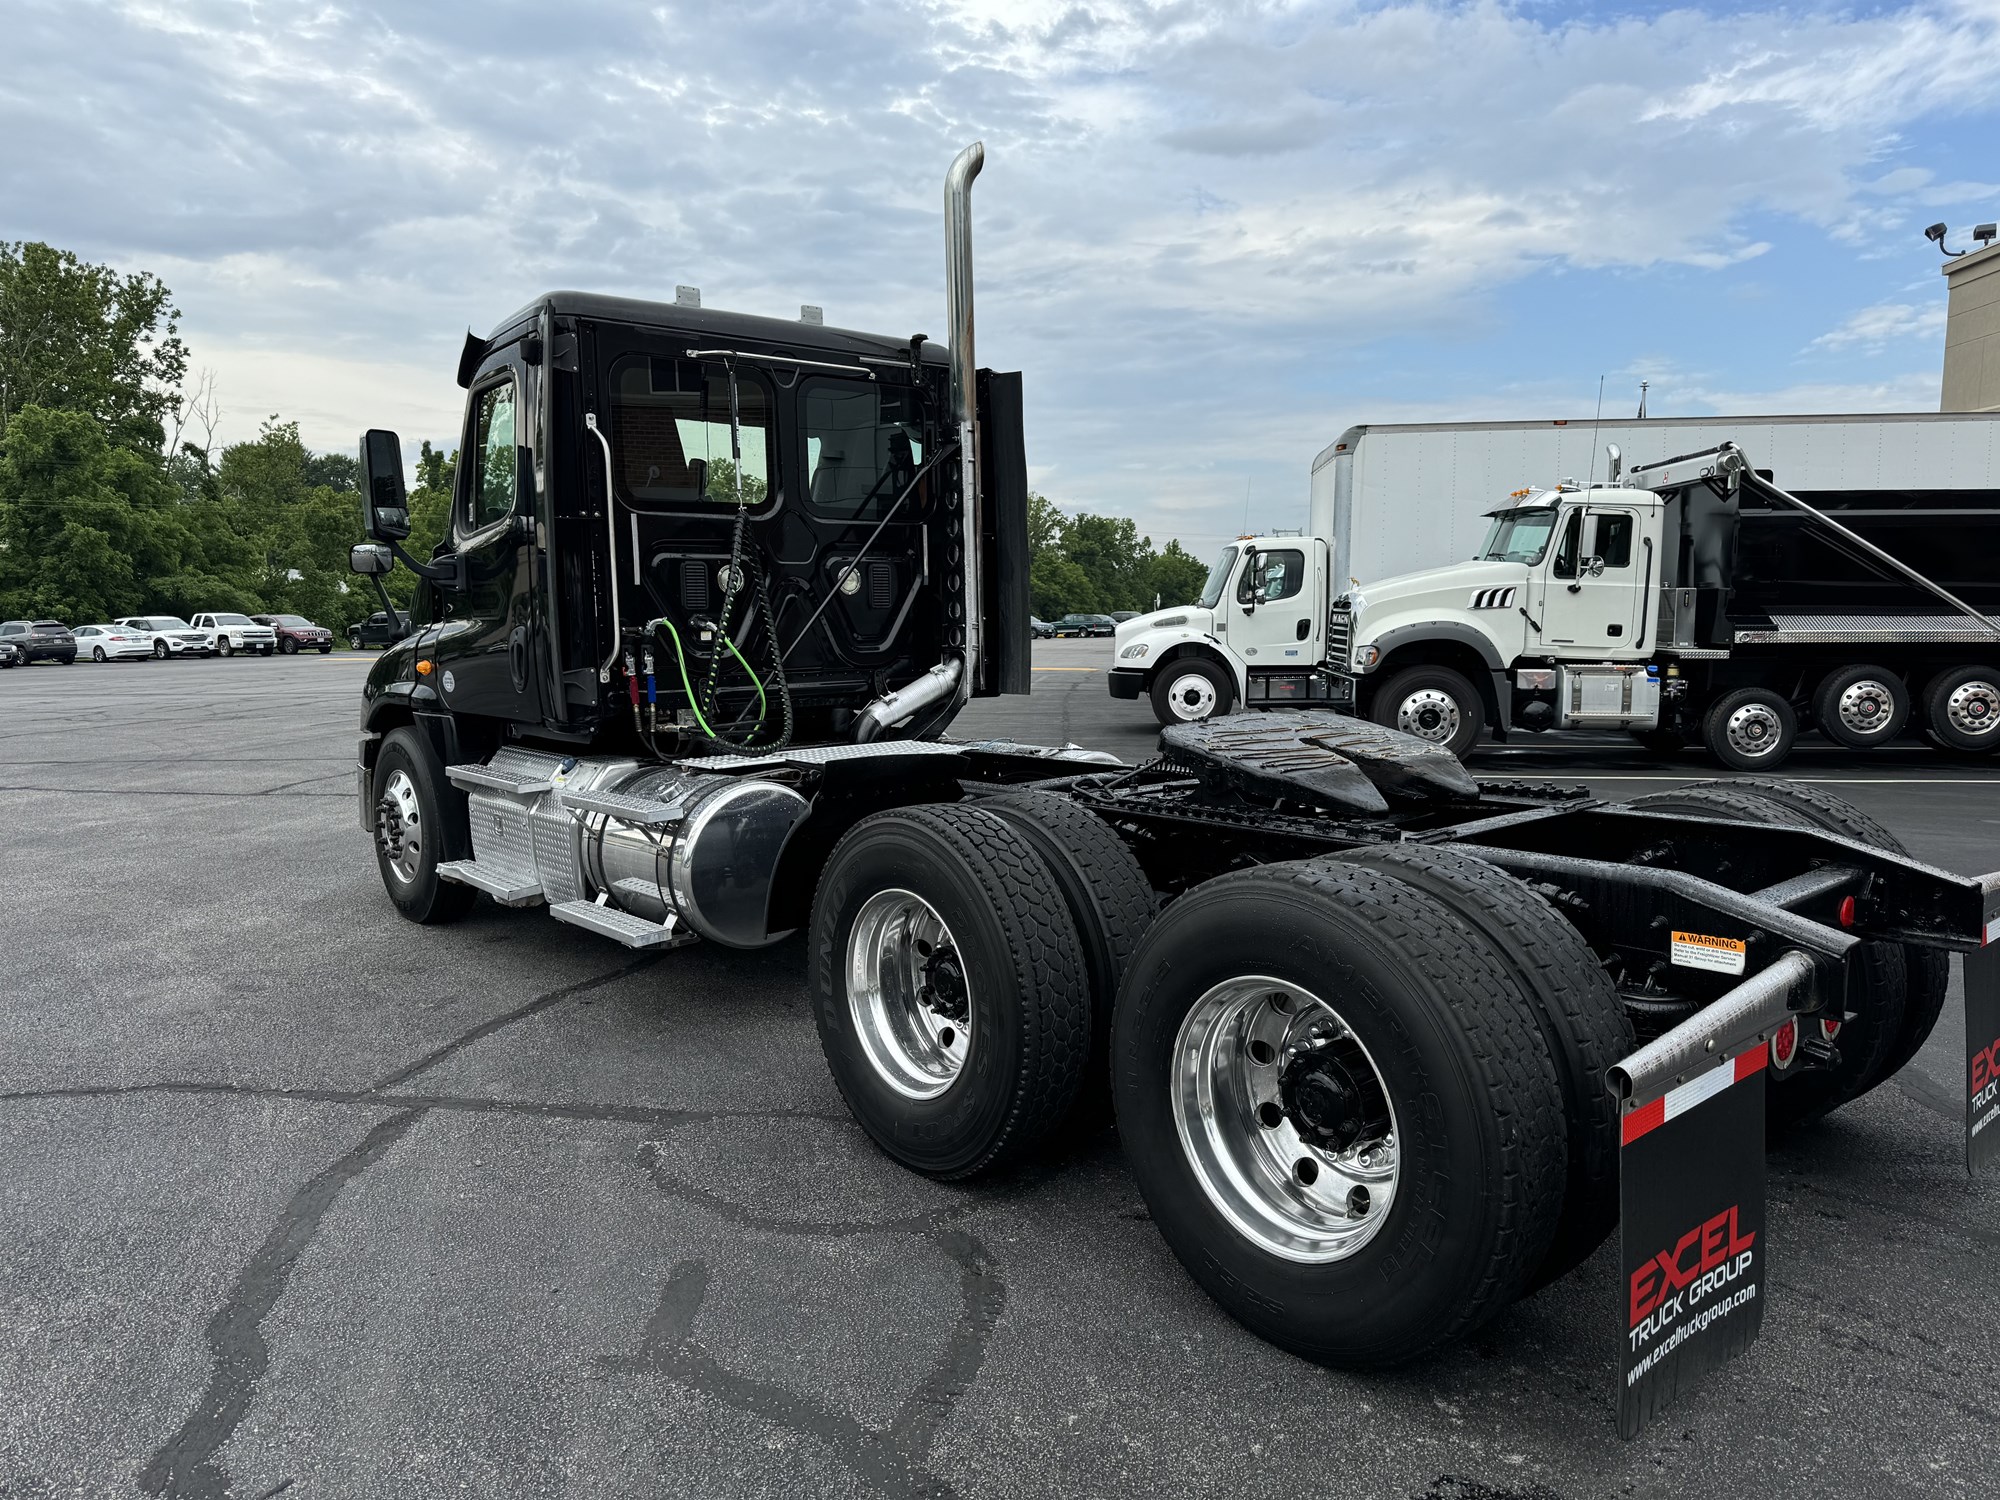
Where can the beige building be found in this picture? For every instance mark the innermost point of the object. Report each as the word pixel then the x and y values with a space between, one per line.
pixel 1972 333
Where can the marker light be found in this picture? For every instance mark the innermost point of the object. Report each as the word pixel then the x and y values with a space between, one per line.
pixel 1846 911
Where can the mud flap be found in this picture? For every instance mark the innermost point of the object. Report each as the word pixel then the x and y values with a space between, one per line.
pixel 1982 1056
pixel 1691 1201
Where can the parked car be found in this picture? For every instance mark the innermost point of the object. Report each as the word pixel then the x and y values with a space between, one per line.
pixel 112 642
pixel 230 633
pixel 170 635
pixel 296 633
pixel 379 629
pixel 40 640
pixel 1041 630
pixel 1120 616
pixel 10 655
pixel 1085 625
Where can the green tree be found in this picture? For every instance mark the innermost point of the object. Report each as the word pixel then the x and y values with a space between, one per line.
pixel 82 338
pixel 1177 576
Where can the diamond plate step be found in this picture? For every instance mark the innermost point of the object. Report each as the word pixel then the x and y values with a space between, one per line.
pixel 508 887
pixel 609 921
pixel 638 885
pixel 646 812
pixel 498 779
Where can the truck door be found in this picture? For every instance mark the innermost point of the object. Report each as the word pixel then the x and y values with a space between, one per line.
pixel 1593 599
pixel 486 649
pixel 1271 622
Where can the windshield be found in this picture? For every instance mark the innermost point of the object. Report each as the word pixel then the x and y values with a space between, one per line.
pixel 165 622
pixel 1218 579
pixel 232 619
pixel 293 620
pixel 1518 536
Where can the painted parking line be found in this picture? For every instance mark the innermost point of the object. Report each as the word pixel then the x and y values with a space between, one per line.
pixel 1069 669
pixel 1588 775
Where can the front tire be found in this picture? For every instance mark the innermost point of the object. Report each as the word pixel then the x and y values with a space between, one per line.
pixel 1750 729
pixel 160 651
pixel 1339 1111
pixel 289 646
pixel 1190 689
pixel 420 821
pixel 1434 704
pixel 224 646
pixel 950 995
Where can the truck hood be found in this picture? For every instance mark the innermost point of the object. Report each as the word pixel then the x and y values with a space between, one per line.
pixel 1459 589
pixel 1190 621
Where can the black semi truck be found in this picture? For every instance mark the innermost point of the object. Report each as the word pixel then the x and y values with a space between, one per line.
pixel 1387 1047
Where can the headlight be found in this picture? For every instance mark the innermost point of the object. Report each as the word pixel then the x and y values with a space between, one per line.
pixel 1135 653
pixel 1365 657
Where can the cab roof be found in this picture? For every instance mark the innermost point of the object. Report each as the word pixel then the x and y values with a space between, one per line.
pixel 713 323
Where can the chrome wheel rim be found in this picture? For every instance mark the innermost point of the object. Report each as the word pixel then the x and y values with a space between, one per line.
pixel 1192 697
pixel 399 826
pixel 909 994
pixel 1754 731
pixel 1250 1074
pixel 1429 714
pixel 1866 707
pixel 1973 708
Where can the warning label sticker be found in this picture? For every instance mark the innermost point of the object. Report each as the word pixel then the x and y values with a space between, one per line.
pixel 1697 950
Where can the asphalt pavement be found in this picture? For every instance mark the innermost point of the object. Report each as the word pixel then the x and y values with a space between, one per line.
pixel 302 1199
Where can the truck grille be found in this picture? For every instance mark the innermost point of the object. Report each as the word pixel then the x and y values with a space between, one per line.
pixel 1339 638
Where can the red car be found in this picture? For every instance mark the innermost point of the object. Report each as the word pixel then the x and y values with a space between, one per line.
pixel 296 633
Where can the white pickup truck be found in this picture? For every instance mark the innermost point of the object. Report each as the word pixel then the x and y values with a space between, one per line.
pixel 230 633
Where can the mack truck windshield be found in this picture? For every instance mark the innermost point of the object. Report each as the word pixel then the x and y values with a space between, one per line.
pixel 1387 1048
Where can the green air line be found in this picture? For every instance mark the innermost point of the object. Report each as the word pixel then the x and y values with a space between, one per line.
pixel 680 660
pixel 756 681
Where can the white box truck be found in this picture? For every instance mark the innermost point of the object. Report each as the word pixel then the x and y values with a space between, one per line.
pixel 1823 572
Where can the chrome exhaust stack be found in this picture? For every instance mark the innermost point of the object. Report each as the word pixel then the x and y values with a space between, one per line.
pixel 964 385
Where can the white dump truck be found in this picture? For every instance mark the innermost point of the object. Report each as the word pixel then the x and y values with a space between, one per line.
pixel 1692 599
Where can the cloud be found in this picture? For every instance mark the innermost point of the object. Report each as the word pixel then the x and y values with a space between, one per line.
pixel 1212 235
pixel 1875 328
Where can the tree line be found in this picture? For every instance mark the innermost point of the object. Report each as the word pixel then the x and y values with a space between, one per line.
pixel 115 498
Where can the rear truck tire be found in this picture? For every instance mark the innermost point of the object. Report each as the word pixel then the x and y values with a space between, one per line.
pixel 420 821
pixel 1435 704
pixel 949 988
pixel 1962 709
pixel 1396 1182
pixel 1865 1043
pixel 1927 971
pixel 1750 729
pixel 1189 689
pixel 354 640
pixel 1861 707
pixel 1110 901
pixel 1583 1023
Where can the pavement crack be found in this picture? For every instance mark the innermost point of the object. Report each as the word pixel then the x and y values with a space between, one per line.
pixel 983 1296
pixel 928 1221
pixel 520 1013
pixel 186 1465
pixel 888 1464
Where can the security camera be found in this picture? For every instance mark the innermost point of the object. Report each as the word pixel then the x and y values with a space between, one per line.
pixel 1935 234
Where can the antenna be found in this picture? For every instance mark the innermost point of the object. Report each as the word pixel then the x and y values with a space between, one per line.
pixel 1596 422
pixel 1246 505
pixel 1642 399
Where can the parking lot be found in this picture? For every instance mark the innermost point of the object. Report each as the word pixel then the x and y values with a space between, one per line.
pixel 302 1199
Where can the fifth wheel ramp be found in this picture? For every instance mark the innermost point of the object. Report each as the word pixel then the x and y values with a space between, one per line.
pixel 1334 762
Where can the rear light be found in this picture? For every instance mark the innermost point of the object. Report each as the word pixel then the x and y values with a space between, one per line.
pixel 1829 1029
pixel 1785 1045
pixel 1846 911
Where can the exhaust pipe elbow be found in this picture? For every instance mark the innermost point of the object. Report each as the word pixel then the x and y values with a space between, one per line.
pixel 939 683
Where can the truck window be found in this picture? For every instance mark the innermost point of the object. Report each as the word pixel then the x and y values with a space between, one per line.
pixel 864 443
pixel 1218 579
pixel 1520 536
pixel 1277 575
pixel 1566 549
pixel 491 497
pixel 1614 538
pixel 670 432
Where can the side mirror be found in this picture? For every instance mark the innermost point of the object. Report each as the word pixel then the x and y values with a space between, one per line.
pixel 1594 566
pixel 370 559
pixel 385 506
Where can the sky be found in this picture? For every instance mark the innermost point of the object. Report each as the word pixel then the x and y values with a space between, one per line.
pixel 1212 235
